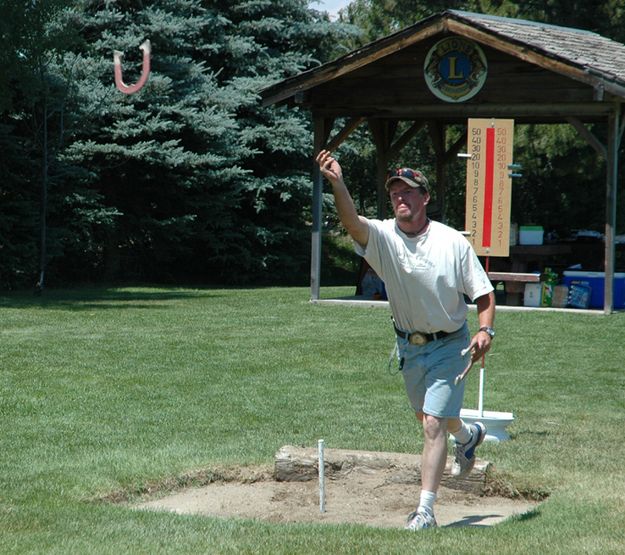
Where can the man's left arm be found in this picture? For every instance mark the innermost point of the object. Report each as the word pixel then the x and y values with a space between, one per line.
pixel 486 319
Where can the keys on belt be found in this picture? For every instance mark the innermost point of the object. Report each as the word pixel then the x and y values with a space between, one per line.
pixel 419 338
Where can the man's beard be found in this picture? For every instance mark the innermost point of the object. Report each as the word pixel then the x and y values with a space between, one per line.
pixel 405 217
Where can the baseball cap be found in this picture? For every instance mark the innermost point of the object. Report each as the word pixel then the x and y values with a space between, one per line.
pixel 414 178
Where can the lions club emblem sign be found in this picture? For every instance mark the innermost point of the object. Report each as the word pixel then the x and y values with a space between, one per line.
pixel 455 69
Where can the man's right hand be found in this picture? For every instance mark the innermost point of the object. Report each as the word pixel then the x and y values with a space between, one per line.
pixel 329 167
pixel 356 226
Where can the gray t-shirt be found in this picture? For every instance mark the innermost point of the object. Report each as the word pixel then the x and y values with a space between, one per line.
pixel 426 277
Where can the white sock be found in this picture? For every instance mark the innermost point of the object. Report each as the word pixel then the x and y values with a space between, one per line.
pixel 426 502
pixel 463 434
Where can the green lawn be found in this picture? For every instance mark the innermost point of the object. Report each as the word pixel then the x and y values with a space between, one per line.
pixel 106 391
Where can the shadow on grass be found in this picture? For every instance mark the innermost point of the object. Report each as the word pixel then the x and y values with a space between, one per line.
pixel 535 433
pixel 478 520
pixel 529 515
pixel 475 520
pixel 104 298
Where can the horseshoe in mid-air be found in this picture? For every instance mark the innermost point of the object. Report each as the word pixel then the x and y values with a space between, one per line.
pixel 145 71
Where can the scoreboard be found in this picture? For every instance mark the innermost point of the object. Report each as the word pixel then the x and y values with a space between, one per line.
pixel 488 193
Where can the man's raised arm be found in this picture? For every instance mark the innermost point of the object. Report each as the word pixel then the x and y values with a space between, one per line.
pixel 356 225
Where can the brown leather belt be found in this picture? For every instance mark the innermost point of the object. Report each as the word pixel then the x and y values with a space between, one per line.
pixel 419 338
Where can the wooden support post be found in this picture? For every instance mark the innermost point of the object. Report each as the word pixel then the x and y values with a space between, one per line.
pixel 437 133
pixel 383 132
pixel 322 127
pixel 614 134
pixel 444 157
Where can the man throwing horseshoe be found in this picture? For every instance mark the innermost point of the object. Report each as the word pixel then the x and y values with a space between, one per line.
pixel 427 269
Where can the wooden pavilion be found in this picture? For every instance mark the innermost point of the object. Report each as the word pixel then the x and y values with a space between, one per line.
pixel 532 72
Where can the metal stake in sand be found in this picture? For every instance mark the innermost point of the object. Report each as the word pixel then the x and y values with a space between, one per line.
pixel 322 486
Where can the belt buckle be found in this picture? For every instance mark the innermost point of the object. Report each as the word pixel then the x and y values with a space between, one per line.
pixel 417 338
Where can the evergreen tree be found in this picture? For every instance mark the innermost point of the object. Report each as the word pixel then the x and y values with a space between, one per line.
pixel 18 210
pixel 271 41
pixel 189 177
pixel 151 155
pixel 32 97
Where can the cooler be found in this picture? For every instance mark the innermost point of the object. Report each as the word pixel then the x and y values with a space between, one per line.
pixel 596 281
pixel 531 235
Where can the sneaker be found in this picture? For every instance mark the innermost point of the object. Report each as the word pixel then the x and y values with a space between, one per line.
pixel 420 520
pixel 464 458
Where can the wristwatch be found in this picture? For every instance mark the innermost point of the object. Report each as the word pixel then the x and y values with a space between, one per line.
pixel 490 331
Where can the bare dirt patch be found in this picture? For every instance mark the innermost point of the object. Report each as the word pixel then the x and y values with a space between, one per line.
pixel 378 494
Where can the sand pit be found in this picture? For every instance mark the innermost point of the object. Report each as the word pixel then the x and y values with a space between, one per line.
pixel 368 488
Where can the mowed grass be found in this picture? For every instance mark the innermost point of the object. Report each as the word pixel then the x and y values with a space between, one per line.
pixel 106 392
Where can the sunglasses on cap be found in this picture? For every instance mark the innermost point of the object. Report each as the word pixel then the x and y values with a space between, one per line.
pixel 407 172
pixel 416 177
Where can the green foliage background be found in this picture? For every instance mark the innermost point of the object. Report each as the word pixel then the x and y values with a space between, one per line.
pixel 191 180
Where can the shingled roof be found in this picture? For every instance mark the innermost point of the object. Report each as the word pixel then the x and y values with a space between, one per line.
pixel 584 49
pixel 578 54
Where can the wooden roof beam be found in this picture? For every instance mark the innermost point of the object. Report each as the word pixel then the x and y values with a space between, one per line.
pixel 449 112
pixel 595 143
pixel 400 143
pixel 347 130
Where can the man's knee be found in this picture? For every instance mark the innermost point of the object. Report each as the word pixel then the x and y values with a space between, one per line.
pixel 434 426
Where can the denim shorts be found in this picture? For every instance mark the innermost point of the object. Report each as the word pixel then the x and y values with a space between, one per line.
pixel 429 372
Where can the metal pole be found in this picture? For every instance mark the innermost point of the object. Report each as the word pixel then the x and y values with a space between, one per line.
pixel 322 486
pixel 480 400
pixel 320 137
